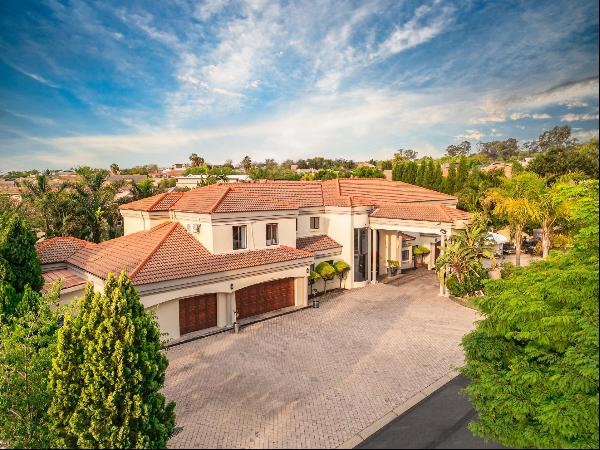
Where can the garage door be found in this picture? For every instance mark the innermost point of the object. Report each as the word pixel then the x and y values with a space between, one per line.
pixel 264 297
pixel 196 313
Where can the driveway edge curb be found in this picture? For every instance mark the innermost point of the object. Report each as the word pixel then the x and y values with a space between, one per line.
pixel 377 425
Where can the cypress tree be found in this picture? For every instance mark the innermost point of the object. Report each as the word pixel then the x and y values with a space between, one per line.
pixel 411 172
pixel 451 179
pixel 428 177
pixel 438 177
pixel 397 171
pixel 462 173
pixel 19 263
pixel 108 372
pixel 420 174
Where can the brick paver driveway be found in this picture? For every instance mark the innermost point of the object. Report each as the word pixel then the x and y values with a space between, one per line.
pixel 316 377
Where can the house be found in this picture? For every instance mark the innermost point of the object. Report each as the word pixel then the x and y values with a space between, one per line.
pixel 506 168
pixel 216 254
pixel 9 189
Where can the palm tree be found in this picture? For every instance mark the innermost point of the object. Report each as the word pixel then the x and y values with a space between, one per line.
pixel 458 259
pixel 514 200
pixel 549 208
pixel 246 163
pixel 95 203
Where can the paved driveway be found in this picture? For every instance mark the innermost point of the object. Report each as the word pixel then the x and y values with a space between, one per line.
pixel 316 377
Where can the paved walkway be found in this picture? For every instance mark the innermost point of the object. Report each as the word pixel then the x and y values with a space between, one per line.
pixel 439 421
pixel 316 377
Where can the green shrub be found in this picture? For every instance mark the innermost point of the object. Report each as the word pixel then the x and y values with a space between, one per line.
pixel 470 285
pixel 419 250
pixel 507 269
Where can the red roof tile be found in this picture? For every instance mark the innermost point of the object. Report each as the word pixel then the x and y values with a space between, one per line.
pixel 317 243
pixel 58 249
pixel 69 279
pixel 160 202
pixel 420 211
pixel 167 252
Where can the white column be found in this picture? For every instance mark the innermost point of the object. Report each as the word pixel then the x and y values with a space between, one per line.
pixel 301 293
pixel 374 256
pixel 399 251
pixel 232 307
pixel 431 262
pixel 442 284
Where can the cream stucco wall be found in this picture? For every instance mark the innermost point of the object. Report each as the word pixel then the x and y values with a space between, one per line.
pixel 134 221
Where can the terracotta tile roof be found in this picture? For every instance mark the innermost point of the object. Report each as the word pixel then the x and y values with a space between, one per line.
pixel 317 243
pixel 376 191
pixel 58 249
pixel 219 198
pixel 406 237
pixel 168 252
pixel 160 202
pixel 69 279
pixel 276 195
pixel 420 211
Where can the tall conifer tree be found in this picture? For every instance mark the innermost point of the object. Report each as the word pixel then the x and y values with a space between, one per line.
pixel 108 373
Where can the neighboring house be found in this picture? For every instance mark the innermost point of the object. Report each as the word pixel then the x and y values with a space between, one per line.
pixel 389 174
pixel 205 257
pixel 505 167
pixel 125 177
pixel 10 190
pixel 192 181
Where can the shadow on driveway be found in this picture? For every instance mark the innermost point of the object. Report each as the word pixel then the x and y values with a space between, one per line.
pixel 438 421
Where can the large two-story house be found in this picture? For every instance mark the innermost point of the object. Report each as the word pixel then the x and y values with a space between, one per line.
pixel 213 255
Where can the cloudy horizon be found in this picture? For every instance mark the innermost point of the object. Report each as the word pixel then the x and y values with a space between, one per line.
pixel 85 83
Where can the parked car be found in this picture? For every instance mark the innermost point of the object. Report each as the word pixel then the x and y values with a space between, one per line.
pixel 508 248
pixel 529 244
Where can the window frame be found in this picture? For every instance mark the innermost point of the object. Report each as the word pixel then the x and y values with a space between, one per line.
pixel 315 220
pixel 272 229
pixel 241 243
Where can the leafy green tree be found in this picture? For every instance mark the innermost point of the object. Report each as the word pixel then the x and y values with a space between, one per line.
pixel 367 172
pixel 19 263
pixel 197 161
pixel 420 178
pixel 557 137
pixel 462 149
pixel 114 169
pixel 326 272
pixel 500 149
pixel 451 179
pixel 143 189
pixel 246 163
pixel 559 161
pixel 108 372
pixel 514 201
pixel 341 270
pixel 533 360
pixel 27 344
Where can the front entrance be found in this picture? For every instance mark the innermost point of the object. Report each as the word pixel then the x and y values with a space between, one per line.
pixel 264 297
pixel 197 313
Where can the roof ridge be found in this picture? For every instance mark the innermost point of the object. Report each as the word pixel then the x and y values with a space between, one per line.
pixel 443 211
pixel 139 267
pixel 220 199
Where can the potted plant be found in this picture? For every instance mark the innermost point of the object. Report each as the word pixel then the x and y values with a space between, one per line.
pixel 392 267
pixel 341 269
pixel 312 278
pixel 419 253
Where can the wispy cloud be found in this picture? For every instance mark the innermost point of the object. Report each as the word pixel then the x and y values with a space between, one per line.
pixel 33 76
pixel 578 117
pixel 470 135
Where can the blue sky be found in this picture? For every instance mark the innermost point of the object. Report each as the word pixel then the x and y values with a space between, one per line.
pixel 140 82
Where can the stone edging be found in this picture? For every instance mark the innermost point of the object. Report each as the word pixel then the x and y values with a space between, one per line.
pixel 362 435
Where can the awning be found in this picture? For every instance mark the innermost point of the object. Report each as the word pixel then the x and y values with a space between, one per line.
pixel 496 238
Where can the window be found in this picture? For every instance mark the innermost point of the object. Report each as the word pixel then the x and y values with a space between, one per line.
pixel 193 227
pixel 405 255
pixel 314 223
pixel 272 237
pixel 360 254
pixel 239 237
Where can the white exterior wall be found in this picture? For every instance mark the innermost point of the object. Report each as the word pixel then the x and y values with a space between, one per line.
pixel 134 221
pixel 304 216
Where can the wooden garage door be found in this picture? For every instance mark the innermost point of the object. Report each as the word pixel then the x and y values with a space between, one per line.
pixel 264 297
pixel 196 313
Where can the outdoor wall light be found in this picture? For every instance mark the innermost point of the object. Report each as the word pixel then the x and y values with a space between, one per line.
pixel 231 286
pixel 307 270
pixel 442 231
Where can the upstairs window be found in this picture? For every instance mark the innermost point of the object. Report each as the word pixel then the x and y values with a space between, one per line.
pixel 239 237
pixel 314 223
pixel 272 235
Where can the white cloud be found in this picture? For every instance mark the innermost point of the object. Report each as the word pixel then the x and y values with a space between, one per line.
pixel 469 135
pixel 578 117
pixel 209 8
pixel 33 76
pixel 586 135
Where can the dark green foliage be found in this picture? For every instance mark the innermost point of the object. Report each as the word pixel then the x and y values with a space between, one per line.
pixel 502 150
pixel 367 172
pixel 559 161
pixel 108 372
pixel 19 263
pixel 27 343
pixel 533 360
pixel 470 285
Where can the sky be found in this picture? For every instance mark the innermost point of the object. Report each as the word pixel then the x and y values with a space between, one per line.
pixel 92 83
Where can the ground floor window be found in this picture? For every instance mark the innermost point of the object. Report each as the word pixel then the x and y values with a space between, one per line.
pixel 405 255
pixel 361 250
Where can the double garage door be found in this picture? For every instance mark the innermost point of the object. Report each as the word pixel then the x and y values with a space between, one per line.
pixel 197 313
pixel 264 297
